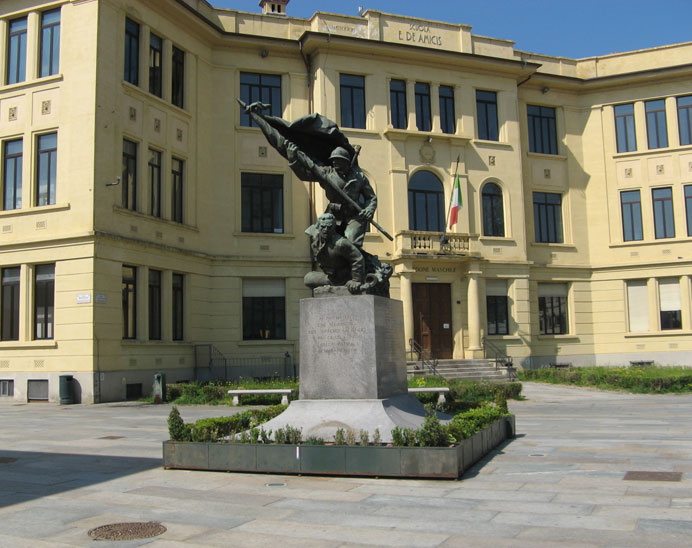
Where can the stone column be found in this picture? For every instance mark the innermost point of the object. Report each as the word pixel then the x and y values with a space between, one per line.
pixel 474 313
pixel 33 31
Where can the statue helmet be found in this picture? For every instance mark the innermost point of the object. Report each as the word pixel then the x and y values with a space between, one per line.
pixel 340 152
pixel 326 219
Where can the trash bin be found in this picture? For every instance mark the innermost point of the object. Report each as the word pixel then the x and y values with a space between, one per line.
pixel 159 387
pixel 66 392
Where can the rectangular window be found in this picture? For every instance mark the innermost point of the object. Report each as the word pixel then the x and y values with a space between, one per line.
pixel 50 43
pixel 154 305
pixel 177 169
pixel 264 309
pixel 542 129
pixel 131 52
pixel 6 388
pixel 631 216
pixel 46 168
pixel 260 87
pixel 422 94
pixel 154 183
pixel 12 174
pixel 638 306
pixel 397 98
pixel 352 100
pixel 262 202
pixel 16 51
pixel 129 179
pixel 547 217
pixel 486 111
pixel 155 66
pixel 552 309
pixel 688 208
pixel 685 119
pixel 447 112
pixel 178 78
pixel 624 128
pixel 664 221
pixel 178 280
pixel 10 304
pixel 129 302
pixel 669 297
pixel 44 299
pixel 497 307
pixel 656 125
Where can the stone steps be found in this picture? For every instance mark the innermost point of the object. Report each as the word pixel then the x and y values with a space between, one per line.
pixel 473 370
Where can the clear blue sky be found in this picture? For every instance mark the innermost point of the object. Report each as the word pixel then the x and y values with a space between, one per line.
pixel 569 28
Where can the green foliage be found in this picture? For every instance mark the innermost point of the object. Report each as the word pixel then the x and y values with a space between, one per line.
pixel 350 436
pixel 340 437
pixel 288 435
pixel 364 437
pixel 403 437
pixel 464 425
pixel 432 433
pixel 216 392
pixel 176 426
pixel 215 428
pixel 314 440
pixel 376 437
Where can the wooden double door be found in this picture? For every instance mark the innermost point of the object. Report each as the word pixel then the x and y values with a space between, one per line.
pixel 432 317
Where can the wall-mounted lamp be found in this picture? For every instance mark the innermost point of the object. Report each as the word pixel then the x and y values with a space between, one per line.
pixel 429 139
pixel 116 183
pixel 545 90
pixel 264 53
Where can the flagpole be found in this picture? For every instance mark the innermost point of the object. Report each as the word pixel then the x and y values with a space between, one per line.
pixel 443 238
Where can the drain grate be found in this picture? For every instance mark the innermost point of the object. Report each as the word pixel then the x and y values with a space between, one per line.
pixel 6 460
pixel 127 531
pixel 276 484
pixel 112 437
pixel 653 476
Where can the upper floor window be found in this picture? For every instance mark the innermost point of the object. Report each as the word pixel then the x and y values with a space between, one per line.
pixel 552 309
pixel 12 174
pixel 447 114
pixel 44 298
pixel 631 204
pixel 426 210
pixel 547 217
pixel 46 173
pixel 155 183
pixel 50 43
pixel 9 315
pixel 155 65
pixel 177 171
pixel 624 128
pixel 260 87
pixel 688 208
pixel 486 112
pixel 262 202
pixel 685 119
pixel 131 52
pixel 129 291
pixel 16 51
pixel 397 98
pixel 656 125
pixel 352 93
pixel 664 220
pixel 493 214
pixel 423 119
pixel 178 78
pixel 129 179
pixel 542 130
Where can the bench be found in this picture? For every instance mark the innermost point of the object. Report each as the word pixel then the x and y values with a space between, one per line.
pixel 285 394
pixel 440 390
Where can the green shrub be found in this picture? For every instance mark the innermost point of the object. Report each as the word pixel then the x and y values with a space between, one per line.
pixel 215 428
pixel 288 435
pixel 340 437
pixel 432 433
pixel 176 426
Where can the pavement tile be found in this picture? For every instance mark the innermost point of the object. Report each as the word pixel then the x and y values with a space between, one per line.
pixel 589 497
pixel 630 539
pixel 565 521
pixel 516 496
pixel 248 539
pixel 536 507
pixel 483 542
pixel 681 527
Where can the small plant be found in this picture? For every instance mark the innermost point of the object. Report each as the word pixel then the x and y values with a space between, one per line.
pixel 254 435
pixel 376 438
pixel 340 437
pixel 350 436
pixel 364 437
pixel 280 435
pixel 314 440
pixel 404 437
pixel 288 435
pixel 265 436
pixel 432 433
pixel 176 426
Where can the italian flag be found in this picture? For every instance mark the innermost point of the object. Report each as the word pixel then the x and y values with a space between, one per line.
pixel 456 203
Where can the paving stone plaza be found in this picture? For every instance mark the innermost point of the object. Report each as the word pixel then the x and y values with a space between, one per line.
pixel 67 469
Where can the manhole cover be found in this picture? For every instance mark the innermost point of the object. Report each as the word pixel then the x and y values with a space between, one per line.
pixel 127 531
pixel 653 476
pixel 6 460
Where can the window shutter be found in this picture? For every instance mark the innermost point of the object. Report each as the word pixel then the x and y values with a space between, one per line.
pixel 496 288
pixel 638 305
pixel 552 290
pixel 264 288
pixel 669 293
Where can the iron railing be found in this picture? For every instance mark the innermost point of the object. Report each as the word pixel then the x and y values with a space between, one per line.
pixel 211 364
pixel 490 351
pixel 423 356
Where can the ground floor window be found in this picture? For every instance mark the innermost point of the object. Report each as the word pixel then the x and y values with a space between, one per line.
pixel 264 309
pixel 497 307
pixel 44 297
pixel 552 309
pixel 178 281
pixel 638 306
pixel 129 291
pixel 9 319
pixel 669 296
pixel 6 388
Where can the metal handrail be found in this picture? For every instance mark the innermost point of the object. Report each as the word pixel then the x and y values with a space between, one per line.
pixel 430 362
pixel 214 359
pixel 501 358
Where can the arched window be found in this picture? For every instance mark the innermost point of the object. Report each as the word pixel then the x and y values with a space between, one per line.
pixel 426 208
pixel 493 214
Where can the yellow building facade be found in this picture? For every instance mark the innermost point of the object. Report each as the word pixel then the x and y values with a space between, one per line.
pixel 146 224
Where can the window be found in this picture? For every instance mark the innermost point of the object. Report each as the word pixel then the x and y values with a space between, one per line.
pixel 688 208
pixel 422 93
pixel 638 306
pixel 129 179
pixel 262 203
pixel 154 305
pixel 631 216
pixel 154 183
pixel 260 87
pixel 656 126
pixel 131 52
pixel 12 175
pixel 16 51
pixel 129 302
pixel 155 67
pixel 552 309
pixel 10 304
pixel 426 202
pixel 177 299
pixel 6 388
pixel 664 221
pixel 486 111
pixel 177 167
pixel 547 217
pixel 624 128
pixel 447 114
pixel 264 309
pixel 685 119
pixel 50 43
pixel 44 297
pixel 542 130
pixel 397 97
pixel 352 101
pixel 497 307
pixel 46 168
pixel 178 78
pixel 493 214
pixel 669 297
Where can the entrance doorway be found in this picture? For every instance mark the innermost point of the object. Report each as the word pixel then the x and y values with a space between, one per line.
pixel 432 318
